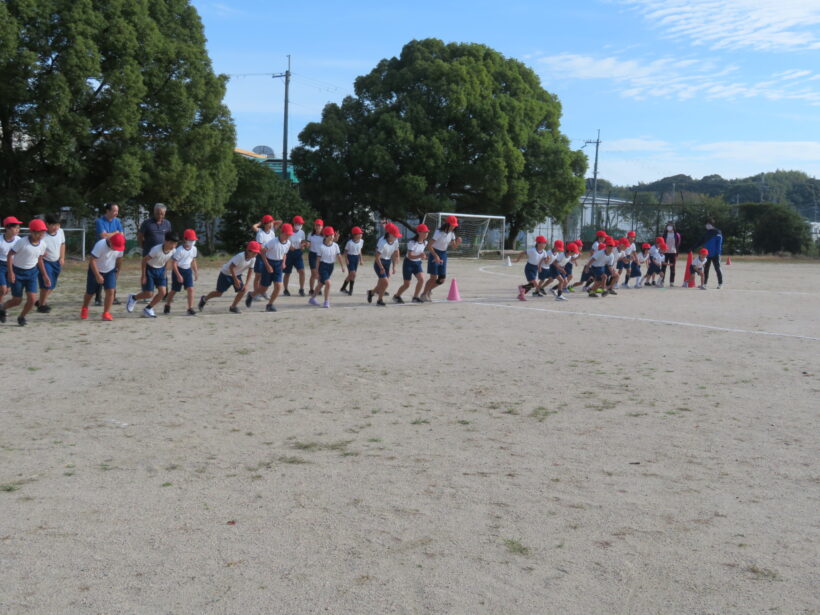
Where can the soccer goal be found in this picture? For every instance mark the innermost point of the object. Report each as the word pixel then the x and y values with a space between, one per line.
pixel 76 242
pixel 480 235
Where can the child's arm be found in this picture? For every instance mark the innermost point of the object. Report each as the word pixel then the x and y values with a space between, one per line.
pixel 10 266
pixel 195 268
pixel 237 283
pixel 62 254
pixel 96 272
pixel 433 253
pixel 255 227
pixel 143 265
pixel 341 263
pixel 117 266
pixel 42 267
pixel 521 255
pixel 456 242
pixel 395 259
pixel 265 262
pixel 175 270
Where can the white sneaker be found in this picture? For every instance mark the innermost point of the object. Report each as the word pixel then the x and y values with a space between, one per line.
pixel 720 286
pixel 148 312
pixel 702 287
pixel 561 298
pixel 132 301
pixel 660 284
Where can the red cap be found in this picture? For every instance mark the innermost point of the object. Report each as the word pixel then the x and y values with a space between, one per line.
pixel 632 234
pixel 623 241
pixel 558 245
pixel 422 228
pixel 253 246
pixel 117 242
pixel 37 225
pixel 704 252
pixel 189 234
pixel 600 233
pixel 356 230
pixel 645 246
pixel 298 220
pixel 318 222
pixel 11 220
pixel 267 218
pixel 572 248
pixel 452 221
pixel 392 229
pixel 610 242
pixel 328 231
pixel 286 229
pixel 540 239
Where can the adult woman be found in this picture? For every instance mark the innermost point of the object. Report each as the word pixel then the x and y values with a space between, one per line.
pixel 672 238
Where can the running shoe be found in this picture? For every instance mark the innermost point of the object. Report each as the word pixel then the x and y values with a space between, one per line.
pixel 326 304
pixel 21 320
pixel 312 301
pixel 561 298
pixel 234 310
pixel 191 312
pixel 370 296
pixel 249 300
pixel 166 309
pixel 270 307
pixel 286 293
pixel 302 292
pixel 201 302
pixel 417 300
pixel 107 316
pixel 398 299
pixel 381 303
pixel 84 313
pixel 148 312
pixel 132 301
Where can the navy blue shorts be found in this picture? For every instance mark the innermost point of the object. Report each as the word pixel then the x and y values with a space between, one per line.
pixel 598 272
pixel 259 266
pixel 273 276
pixel 325 271
pixel 622 265
pixel 353 262
pixel 693 270
pixel 635 270
pixel 313 260
pixel 530 272
pixel 53 269
pixel 4 267
pixel 434 268
pixel 109 281
pixel 224 282
pixel 187 279
pixel 410 268
pixel 24 279
pixel 545 273
pixel 653 268
pixel 294 259
pixel 555 273
pixel 586 275
pixel 386 263
pixel 568 269
pixel 154 277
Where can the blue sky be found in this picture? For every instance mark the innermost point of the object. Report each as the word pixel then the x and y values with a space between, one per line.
pixel 678 86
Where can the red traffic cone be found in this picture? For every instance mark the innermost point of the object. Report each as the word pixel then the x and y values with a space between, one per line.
pixel 453 295
pixel 688 278
pixel 728 260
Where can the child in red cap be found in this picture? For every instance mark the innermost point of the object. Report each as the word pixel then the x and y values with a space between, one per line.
pixel 412 266
pixel 329 253
pixel 602 269
pixel 697 267
pixel 387 257
pixel 276 253
pixel 295 257
pixel 184 271
pixel 315 240
pixel 11 235
pixel 353 258
pixel 154 269
pixel 24 260
pixel 231 276
pixel 265 231
pixel 535 259
pixel 103 269
pixel 443 238
pixel 641 258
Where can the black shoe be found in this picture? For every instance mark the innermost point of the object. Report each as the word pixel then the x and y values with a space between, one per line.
pixel 249 300
pixel 605 293
pixel 286 293
pixel 417 300
pixel 370 296
pixel 350 293
pixel 97 303
pixel 166 309
pixel 21 320
pixel 234 310
pixel 191 312
pixel 381 303
pixel 612 292
pixel 117 301
pixel 37 303
pixel 302 292
pixel 270 307
pixel 43 309
pixel 201 302
pixel 2 315
pixel 398 299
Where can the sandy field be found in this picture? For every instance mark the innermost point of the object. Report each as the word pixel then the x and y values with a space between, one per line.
pixel 651 453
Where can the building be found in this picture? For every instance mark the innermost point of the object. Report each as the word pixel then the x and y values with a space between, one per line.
pixel 273 163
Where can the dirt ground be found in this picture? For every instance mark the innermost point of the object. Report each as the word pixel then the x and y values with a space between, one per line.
pixel 654 452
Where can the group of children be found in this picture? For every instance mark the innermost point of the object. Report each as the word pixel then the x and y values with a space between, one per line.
pixel 612 264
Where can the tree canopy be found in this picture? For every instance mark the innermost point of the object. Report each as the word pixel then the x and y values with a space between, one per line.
pixel 110 100
pixel 442 127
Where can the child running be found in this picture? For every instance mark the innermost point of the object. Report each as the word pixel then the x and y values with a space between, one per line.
pixel 329 253
pixel 295 257
pixel 276 253
pixel 184 271
pixel 353 258
pixel 154 275
pixel 24 260
pixel 103 268
pixel 54 259
pixel 558 271
pixel 443 238
pixel 412 265
pixel 640 260
pixel 535 258
pixel 265 231
pixel 602 269
pixel 11 235
pixel 315 240
pixel 231 275
pixel 387 256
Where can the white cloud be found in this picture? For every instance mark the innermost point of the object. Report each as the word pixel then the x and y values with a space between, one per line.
pixel 639 144
pixel 763 25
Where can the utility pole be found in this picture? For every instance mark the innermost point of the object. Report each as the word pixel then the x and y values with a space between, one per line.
pixel 597 143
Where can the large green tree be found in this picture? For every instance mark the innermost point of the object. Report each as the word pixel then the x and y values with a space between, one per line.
pixel 442 127
pixel 110 100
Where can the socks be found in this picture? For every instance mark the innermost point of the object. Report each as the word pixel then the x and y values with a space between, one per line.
pixel 351 286
pixel 344 286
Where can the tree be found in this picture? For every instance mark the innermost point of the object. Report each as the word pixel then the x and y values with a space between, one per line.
pixel 110 100
pixel 443 127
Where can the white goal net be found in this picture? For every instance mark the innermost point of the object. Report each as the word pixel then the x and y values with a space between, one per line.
pixel 480 235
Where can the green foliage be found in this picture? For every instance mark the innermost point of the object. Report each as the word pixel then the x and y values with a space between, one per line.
pixel 110 100
pixel 442 127
pixel 259 191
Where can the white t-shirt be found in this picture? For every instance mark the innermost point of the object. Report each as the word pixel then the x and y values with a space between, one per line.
pixel 602 259
pixel 7 246
pixel 642 258
pixel 275 250
pixel 561 258
pixel 328 254
pixel 158 258
pixel 441 241
pixel 534 257
pixel 627 252
pixel 596 244
pixel 354 248
pixel 670 242
pixel 106 256
pixel 26 254
pixel 698 263
pixel 415 249
pixel 239 263
pixel 184 257
pixel 53 243
pixel 386 250
pixel 315 242
pixel 263 238
pixel 297 238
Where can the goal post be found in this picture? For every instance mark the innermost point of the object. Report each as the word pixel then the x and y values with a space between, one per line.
pixel 480 234
pixel 76 241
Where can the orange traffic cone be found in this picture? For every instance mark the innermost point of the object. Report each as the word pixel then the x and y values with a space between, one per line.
pixel 688 278
pixel 453 295
pixel 728 260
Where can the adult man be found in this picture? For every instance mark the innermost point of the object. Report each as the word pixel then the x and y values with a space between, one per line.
pixel 152 231
pixel 106 226
pixel 713 241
